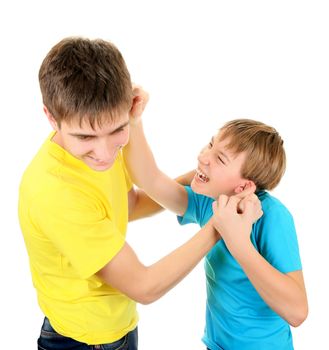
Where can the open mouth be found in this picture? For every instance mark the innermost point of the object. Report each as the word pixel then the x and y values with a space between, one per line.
pixel 202 176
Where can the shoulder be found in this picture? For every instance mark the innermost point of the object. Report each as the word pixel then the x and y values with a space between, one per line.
pixel 275 235
pixel 276 222
pixel 272 206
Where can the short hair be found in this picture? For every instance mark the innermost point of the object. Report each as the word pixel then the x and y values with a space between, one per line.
pixel 85 78
pixel 265 161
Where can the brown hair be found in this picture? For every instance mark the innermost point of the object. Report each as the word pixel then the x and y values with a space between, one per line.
pixel 86 79
pixel 265 156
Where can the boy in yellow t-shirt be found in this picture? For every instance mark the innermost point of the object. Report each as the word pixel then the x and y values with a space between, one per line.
pixel 75 201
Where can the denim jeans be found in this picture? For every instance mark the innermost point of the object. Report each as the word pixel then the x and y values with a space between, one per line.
pixel 50 340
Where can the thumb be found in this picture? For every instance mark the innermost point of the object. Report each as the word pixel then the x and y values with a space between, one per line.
pixel 252 212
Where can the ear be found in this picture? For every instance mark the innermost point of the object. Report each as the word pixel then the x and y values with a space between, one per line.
pixel 51 119
pixel 242 186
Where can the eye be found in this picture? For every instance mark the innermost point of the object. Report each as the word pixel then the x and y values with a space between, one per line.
pixel 120 130
pixel 220 159
pixel 83 137
pixel 210 144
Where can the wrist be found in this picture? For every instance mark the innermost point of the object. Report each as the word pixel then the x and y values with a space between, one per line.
pixel 240 248
pixel 212 231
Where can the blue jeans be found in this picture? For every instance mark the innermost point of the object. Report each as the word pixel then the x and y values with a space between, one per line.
pixel 50 340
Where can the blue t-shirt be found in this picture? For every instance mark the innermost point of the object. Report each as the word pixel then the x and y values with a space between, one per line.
pixel 237 318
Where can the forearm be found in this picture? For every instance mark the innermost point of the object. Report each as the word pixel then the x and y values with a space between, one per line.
pixel 139 159
pixel 147 176
pixel 167 272
pixel 143 207
pixel 284 294
pixel 146 284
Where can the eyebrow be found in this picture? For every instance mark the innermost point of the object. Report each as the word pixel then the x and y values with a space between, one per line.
pixel 120 127
pixel 92 135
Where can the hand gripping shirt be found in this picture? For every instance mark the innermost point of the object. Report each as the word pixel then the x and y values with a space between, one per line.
pixel 237 318
pixel 74 222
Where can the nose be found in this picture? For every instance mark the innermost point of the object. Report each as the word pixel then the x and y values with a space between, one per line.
pixel 203 157
pixel 106 150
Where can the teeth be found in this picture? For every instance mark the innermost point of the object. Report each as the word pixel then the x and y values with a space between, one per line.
pixel 202 176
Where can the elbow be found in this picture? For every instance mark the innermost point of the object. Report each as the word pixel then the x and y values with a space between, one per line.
pixel 299 316
pixel 150 290
pixel 146 300
pixel 146 297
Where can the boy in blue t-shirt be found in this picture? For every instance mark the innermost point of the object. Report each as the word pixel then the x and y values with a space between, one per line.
pixel 255 286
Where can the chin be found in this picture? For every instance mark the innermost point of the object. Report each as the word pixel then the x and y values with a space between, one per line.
pixel 199 190
pixel 99 167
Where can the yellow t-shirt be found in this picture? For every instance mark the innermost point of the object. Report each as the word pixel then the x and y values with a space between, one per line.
pixel 74 221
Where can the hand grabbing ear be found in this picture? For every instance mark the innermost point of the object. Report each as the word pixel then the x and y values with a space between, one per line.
pixel 234 221
pixel 140 100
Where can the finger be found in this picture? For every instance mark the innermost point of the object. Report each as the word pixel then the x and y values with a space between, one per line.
pixel 248 209
pixel 252 210
pixel 259 214
pixel 214 207
pixel 236 205
pixel 220 203
pixel 241 206
pixel 136 89
pixel 251 198
pixel 223 201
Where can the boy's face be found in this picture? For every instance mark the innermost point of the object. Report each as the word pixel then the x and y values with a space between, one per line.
pixel 97 148
pixel 219 170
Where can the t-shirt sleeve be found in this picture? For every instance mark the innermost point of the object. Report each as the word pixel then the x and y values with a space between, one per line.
pixel 277 239
pixel 199 209
pixel 80 230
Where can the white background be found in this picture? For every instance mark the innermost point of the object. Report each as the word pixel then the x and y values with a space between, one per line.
pixel 204 63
